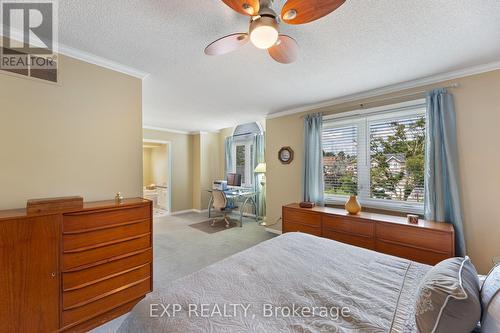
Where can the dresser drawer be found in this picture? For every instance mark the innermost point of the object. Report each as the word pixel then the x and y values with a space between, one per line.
pixel 411 253
pixel 92 292
pixel 79 278
pixel 350 226
pixel 416 237
pixel 301 217
pixel 359 241
pixel 92 220
pixel 76 258
pixel 88 311
pixel 296 227
pixel 80 240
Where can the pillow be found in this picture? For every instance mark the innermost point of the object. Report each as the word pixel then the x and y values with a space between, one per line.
pixel 449 298
pixel 490 300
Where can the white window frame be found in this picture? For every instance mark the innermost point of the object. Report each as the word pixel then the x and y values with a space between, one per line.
pixel 363 118
pixel 248 161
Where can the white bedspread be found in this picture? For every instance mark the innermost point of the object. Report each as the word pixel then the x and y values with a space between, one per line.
pixel 252 290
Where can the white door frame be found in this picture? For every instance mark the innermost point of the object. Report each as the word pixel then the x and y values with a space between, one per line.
pixel 168 144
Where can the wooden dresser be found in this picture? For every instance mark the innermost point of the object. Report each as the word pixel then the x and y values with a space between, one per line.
pixel 74 269
pixel 426 242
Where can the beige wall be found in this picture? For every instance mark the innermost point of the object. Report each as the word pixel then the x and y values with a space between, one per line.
pixel 478 118
pixel 182 166
pixel 147 177
pixel 159 165
pixel 196 190
pixel 195 165
pixel 206 166
pixel 210 165
pixel 283 182
pixel 155 165
pixel 82 136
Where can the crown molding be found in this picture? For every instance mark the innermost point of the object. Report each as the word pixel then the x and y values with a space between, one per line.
pixel 101 62
pixel 170 130
pixel 205 132
pixel 392 88
pixel 86 57
pixel 162 129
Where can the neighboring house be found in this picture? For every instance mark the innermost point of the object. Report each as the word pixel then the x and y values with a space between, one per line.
pixel 396 162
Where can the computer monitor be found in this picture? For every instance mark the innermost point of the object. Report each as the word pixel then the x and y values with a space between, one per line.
pixel 233 179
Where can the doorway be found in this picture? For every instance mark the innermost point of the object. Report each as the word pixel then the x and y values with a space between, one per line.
pixel 157 175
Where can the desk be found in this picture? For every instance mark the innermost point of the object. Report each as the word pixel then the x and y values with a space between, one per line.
pixel 244 196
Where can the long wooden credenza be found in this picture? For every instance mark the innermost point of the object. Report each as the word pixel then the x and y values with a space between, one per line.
pixel 67 268
pixel 426 242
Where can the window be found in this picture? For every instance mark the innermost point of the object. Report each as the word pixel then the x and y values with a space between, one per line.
pixel 243 160
pixel 378 156
pixel 340 159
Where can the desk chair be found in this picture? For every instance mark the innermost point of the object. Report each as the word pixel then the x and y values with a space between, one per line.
pixel 220 204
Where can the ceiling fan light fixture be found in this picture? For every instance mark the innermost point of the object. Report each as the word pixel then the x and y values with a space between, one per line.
pixel 264 32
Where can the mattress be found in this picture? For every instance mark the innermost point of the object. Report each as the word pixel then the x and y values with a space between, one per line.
pixel 292 283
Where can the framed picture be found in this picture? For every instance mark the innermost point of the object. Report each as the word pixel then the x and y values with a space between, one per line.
pixel 285 155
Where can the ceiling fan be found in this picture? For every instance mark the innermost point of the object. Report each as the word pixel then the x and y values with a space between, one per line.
pixel 264 26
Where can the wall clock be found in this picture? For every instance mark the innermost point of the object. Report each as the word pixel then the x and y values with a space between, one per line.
pixel 285 155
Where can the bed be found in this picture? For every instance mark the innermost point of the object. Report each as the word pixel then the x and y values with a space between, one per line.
pixel 277 280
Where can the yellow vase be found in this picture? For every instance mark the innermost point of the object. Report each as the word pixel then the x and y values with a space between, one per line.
pixel 352 205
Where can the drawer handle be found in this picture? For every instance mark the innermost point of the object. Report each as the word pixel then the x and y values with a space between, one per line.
pixel 53 274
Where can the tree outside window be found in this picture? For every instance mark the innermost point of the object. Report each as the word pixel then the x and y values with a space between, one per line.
pixel 379 156
pixel 397 159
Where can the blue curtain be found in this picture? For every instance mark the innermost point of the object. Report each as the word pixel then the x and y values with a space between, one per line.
pixel 259 156
pixel 229 147
pixel 442 187
pixel 312 182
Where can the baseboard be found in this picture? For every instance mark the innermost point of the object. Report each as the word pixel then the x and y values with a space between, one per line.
pixel 190 211
pixel 274 231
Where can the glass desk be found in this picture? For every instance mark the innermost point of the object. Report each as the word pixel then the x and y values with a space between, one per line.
pixel 245 197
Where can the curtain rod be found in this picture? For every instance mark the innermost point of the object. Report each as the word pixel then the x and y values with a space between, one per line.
pixel 363 105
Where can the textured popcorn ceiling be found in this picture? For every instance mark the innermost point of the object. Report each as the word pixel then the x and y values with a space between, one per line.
pixel 366 44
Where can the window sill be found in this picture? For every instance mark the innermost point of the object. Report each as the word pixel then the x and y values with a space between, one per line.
pixel 378 204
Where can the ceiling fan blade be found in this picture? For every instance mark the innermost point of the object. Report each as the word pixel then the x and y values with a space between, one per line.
pixel 227 44
pixel 305 11
pixel 244 7
pixel 285 51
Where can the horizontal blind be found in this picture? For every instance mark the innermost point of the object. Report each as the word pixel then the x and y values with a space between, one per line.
pixel 397 151
pixel 340 159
